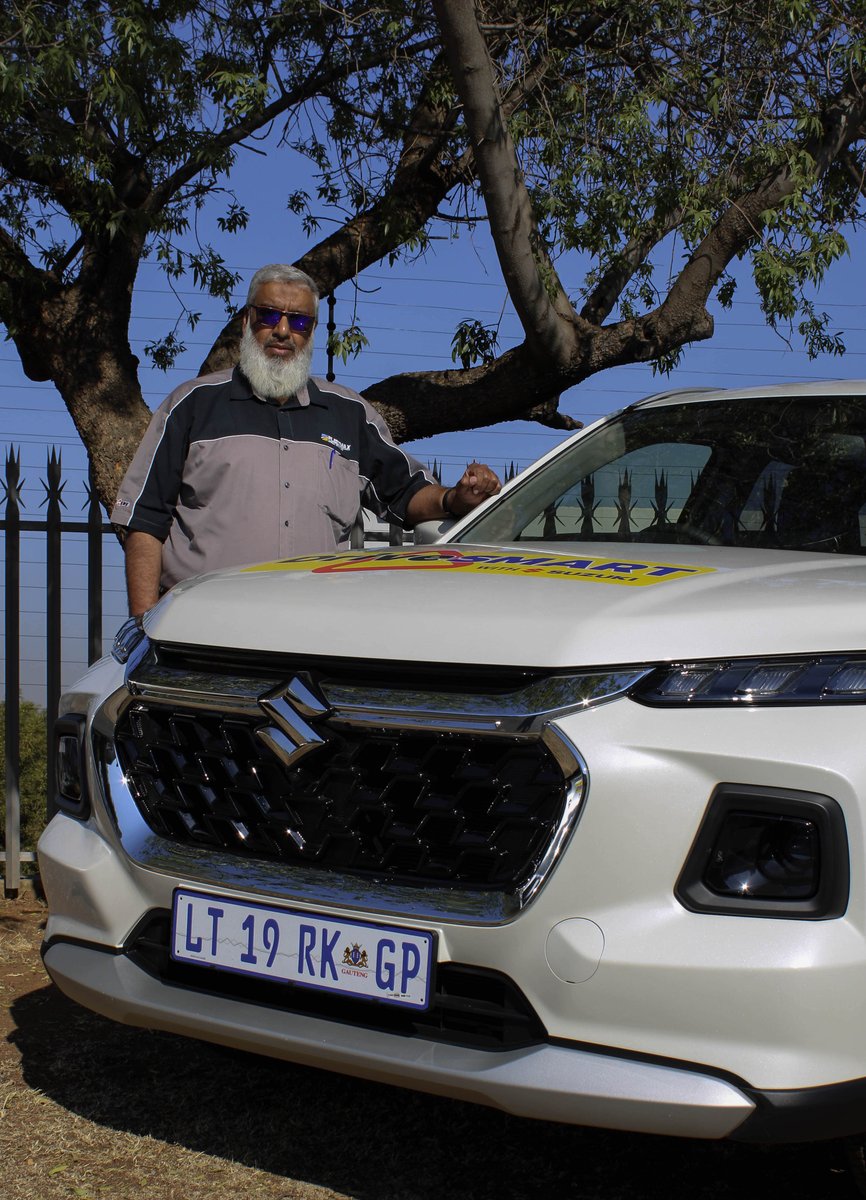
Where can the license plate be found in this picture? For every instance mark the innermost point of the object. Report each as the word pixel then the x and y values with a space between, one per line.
pixel 333 954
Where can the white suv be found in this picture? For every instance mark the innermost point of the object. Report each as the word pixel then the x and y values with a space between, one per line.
pixel 563 813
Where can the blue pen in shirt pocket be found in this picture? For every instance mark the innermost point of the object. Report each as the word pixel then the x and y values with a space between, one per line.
pixel 331 459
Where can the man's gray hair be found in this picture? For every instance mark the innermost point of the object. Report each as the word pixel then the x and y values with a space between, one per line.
pixel 283 273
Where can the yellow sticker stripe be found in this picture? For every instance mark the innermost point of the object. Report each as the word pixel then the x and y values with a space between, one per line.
pixel 631 572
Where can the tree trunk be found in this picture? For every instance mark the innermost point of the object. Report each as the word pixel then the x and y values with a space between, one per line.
pixel 104 398
pixel 78 337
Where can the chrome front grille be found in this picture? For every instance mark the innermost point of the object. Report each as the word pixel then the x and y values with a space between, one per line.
pixel 415 806
pixel 422 792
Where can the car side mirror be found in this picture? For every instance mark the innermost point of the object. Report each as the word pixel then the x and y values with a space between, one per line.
pixel 431 531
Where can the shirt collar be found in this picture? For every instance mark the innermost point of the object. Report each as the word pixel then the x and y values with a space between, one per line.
pixel 307 395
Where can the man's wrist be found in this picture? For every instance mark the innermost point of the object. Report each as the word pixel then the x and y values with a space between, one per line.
pixel 447 497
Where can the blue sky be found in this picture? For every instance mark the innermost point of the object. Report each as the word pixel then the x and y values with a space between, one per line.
pixel 409 313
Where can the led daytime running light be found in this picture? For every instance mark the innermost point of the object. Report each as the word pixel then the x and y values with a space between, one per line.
pixel 822 679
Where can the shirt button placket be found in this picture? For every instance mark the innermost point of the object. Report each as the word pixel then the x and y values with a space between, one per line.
pixel 285 516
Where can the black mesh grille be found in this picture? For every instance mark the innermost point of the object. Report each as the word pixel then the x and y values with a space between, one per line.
pixel 425 808
pixel 469 1006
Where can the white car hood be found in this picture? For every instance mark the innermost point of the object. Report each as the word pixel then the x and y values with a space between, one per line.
pixel 592 604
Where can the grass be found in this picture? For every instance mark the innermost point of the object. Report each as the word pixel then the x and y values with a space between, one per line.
pixel 90 1109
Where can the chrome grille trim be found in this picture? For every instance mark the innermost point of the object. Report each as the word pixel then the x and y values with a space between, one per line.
pixel 524 712
pixel 429 722
pixel 491 716
pixel 196 689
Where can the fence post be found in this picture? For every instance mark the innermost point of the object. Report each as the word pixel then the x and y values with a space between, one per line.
pixel 53 643
pixel 94 571
pixel 12 489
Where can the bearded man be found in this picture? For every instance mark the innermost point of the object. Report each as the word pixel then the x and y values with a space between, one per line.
pixel 263 462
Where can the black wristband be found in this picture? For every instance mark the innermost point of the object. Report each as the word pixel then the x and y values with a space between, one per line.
pixel 446 507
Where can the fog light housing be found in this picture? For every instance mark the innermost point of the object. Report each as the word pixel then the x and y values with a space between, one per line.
pixel 766 855
pixel 768 852
pixel 70 791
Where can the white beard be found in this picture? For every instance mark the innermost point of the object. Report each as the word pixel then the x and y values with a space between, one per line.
pixel 272 378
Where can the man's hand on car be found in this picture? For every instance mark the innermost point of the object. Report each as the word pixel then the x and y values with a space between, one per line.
pixel 473 487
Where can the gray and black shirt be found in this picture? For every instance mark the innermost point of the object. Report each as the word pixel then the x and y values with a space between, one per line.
pixel 223 477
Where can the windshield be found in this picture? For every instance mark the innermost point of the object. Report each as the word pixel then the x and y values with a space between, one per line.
pixel 786 473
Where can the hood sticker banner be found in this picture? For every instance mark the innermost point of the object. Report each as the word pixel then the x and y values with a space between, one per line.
pixel 630 572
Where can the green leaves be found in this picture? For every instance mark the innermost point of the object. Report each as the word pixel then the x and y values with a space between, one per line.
pixel 164 351
pixel 670 114
pixel 209 271
pixel 347 343
pixel 32 754
pixel 815 332
pixel 790 260
pixel 236 218
pixel 473 343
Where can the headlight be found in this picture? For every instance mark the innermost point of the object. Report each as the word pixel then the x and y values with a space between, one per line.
pixel 127 640
pixel 821 679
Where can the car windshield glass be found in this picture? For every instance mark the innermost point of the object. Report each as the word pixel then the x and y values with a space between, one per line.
pixel 782 472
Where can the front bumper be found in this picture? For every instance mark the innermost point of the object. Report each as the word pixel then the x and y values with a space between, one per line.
pixel 550 1082
pixel 555 1082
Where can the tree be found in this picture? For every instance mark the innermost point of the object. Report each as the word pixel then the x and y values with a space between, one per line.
pixel 32 750
pixel 117 120
pixel 602 137
pixel 731 128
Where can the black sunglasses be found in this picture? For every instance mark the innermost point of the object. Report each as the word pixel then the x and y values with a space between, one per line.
pixel 271 317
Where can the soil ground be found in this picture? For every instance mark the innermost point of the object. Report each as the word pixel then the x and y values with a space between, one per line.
pixel 92 1110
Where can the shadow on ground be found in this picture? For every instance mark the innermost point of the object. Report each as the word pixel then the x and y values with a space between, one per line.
pixel 370 1141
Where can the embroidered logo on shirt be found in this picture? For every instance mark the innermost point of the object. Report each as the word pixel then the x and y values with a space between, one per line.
pixel 122 503
pixel 332 441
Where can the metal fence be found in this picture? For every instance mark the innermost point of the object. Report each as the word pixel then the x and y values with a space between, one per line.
pixel 55 526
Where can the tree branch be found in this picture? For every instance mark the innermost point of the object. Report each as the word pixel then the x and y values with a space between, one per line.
pixel 423 177
pixel 315 85
pixel 520 385
pixel 426 172
pixel 843 122
pixel 606 293
pixel 23 289
pixel 855 171
pixel 417 404
pixel 22 168
pixel 539 299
